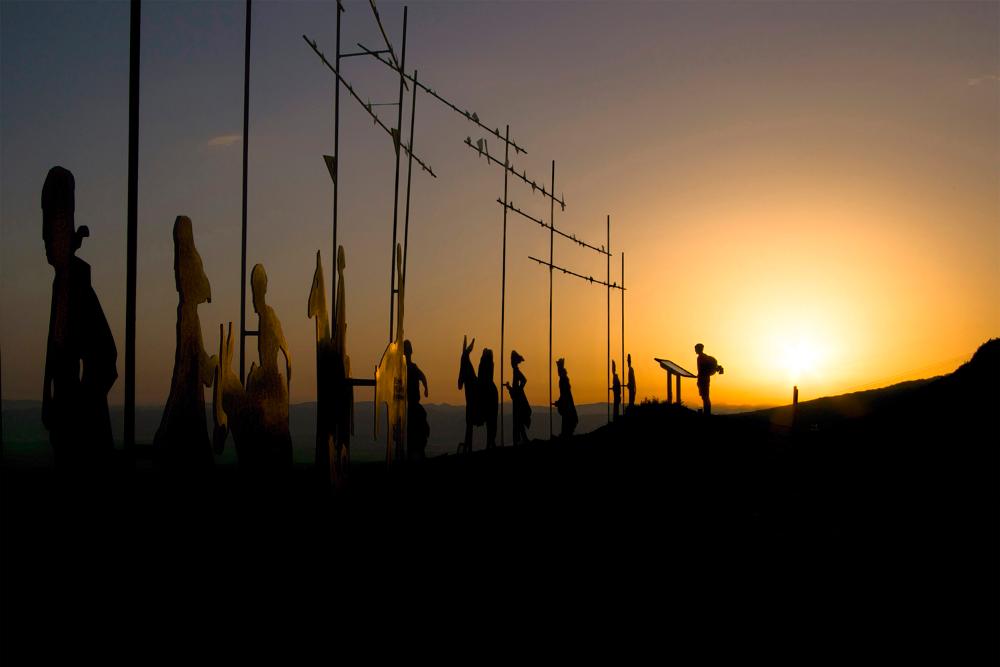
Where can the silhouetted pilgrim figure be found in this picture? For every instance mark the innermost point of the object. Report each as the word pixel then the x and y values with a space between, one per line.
pixel 489 397
pixel 631 385
pixel 258 414
pixel 564 404
pixel 182 441
pixel 390 379
pixel 707 367
pixel 616 390
pixel 334 406
pixel 519 401
pixel 417 428
pixel 80 357
pixel 343 424
pixel 468 381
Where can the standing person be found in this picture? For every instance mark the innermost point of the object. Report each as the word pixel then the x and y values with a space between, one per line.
pixel 707 367
pixel 417 428
pixel 80 357
pixel 616 390
pixel 564 404
pixel 520 407
pixel 631 385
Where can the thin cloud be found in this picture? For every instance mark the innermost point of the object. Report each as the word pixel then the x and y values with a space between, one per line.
pixel 986 78
pixel 224 140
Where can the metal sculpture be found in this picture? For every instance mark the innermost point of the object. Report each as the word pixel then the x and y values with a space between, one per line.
pixel 334 392
pixel 182 437
pixel 258 413
pixel 390 381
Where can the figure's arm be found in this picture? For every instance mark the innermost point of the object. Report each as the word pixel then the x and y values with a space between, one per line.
pixel 283 346
pixel 422 378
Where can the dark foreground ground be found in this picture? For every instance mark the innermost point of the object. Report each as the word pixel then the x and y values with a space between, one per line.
pixel 868 532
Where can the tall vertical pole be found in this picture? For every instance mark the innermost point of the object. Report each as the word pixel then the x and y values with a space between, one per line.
pixel 243 243
pixel 623 315
pixel 395 198
pixel 503 269
pixel 607 378
pixel 409 175
pixel 336 162
pixel 133 217
pixel 552 227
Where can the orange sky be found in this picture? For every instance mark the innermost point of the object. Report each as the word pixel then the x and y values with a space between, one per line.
pixel 792 185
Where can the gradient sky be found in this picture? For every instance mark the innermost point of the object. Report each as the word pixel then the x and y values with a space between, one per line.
pixel 810 189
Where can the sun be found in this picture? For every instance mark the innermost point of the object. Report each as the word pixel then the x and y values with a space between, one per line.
pixel 802 358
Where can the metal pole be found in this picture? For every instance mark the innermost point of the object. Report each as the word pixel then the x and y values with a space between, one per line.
pixel 607 377
pixel 243 245
pixel 409 175
pixel 395 199
pixel 552 226
pixel 336 162
pixel 503 270
pixel 623 317
pixel 133 207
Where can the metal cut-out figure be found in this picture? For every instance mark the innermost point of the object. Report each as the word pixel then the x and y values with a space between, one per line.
pixel 520 408
pixel 182 440
pixel 258 414
pixel 489 397
pixel 630 385
pixel 334 393
pixel 616 390
pixel 468 381
pixel 564 404
pixel 391 380
pixel 417 428
pixel 80 358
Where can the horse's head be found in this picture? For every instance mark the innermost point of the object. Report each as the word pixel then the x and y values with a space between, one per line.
pixel 466 373
pixel 317 302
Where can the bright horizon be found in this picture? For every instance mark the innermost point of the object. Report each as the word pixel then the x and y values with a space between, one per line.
pixel 811 190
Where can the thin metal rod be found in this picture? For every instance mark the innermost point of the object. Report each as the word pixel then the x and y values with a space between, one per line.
pixel 388 44
pixel 623 320
pixel 589 279
pixel 133 217
pixel 607 377
pixel 336 163
pixel 409 176
pixel 243 244
pixel 523 176
pixel 471 117
pixel 361 53
pixel 395 192
pixel 542 223
pixel 364 105
pixel 552 236
pixel 503 272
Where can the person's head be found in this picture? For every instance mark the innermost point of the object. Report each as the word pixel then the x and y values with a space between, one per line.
pixel 341 259
pixel 629 359
pixel 614 369
pixel 561 366
pixel 699 348
pixel 486 364
pixel 407 349
pixel 58 203
pixel 258 285
pixel 515 358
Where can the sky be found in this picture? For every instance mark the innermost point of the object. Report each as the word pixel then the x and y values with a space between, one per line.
pixel 810 189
